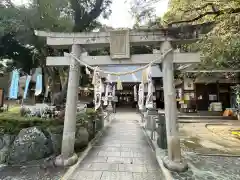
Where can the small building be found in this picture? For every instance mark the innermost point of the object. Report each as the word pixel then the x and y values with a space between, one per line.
pixel 213 93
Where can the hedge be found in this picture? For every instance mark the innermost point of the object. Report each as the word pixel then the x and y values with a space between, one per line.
pixel 12 122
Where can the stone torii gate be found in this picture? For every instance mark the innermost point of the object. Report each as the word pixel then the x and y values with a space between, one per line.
pixel 119 42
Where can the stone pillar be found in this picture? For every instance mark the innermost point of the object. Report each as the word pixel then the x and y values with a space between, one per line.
pixel 152 116
pixel 161 130
pixel 68 157
pixel 114 107
pixel 173 161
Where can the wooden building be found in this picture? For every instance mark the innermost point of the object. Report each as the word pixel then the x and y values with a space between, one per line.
pixel 202 93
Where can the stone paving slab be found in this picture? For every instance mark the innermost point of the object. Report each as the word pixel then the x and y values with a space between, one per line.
pixel 122 153
pixel 86 175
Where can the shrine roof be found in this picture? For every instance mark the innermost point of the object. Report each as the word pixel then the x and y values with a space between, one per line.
pixel 156 72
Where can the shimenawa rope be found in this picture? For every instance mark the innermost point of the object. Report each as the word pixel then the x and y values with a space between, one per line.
pixel 122 73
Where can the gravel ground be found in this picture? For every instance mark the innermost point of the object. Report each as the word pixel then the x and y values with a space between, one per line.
pixel 210 168
pixel 37 170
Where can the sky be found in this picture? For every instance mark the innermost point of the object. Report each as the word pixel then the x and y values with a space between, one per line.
pixel 120 17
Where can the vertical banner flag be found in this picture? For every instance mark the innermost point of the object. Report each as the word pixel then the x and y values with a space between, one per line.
pixel 38 89
pixel 26 86
pixel 113 93
pixel 97 89
pixel 46 92
pixel 135 93
pixel 141 96
pixel 106 95
pixel 144 76
pixel 13 91
pixel 149 100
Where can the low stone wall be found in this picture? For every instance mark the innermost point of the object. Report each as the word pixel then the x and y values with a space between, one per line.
pixel 27 140
pixel 35 143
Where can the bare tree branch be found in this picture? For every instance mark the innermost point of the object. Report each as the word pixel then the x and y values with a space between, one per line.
pixel 8 3
pixel 83 18
pixel 202 7
pixel 95 12
pixel 215 12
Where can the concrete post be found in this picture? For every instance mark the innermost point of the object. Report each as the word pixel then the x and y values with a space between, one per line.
pixel 173 161
pixel 68 157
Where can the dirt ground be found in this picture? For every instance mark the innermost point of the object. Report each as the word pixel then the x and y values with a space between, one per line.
pixel 210 138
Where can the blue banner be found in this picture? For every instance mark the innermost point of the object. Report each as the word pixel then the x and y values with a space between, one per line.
pixel 38 89
pixel 26 86
pixel 13 91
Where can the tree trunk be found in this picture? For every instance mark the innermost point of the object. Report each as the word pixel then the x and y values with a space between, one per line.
pixel 58 98
pixel 63 75
pixel 46 81
pixel 51 83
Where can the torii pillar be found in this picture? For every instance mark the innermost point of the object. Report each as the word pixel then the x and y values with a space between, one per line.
pixel 173 161
pixel 68 156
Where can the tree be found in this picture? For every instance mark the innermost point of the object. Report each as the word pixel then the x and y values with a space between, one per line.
pixel 220 46
pixel 54 15
pixel 143 11
pixel 13 50
pixel 87 11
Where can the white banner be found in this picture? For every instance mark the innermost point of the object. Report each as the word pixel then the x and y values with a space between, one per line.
pixel 114 93
pixel 26 86
pixel 97 90
pixel 149 100
pixel 38 89
pixel 135 93
pixel 106 95
pixel 141 96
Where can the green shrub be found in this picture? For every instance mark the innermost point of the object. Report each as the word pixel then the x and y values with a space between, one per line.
pixel 12 122
pixel 84 117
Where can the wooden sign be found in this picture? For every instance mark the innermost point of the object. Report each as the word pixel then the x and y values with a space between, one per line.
pixel 188 84
pixel 119 44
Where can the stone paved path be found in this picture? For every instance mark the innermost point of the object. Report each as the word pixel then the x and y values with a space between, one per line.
pixel 122 153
